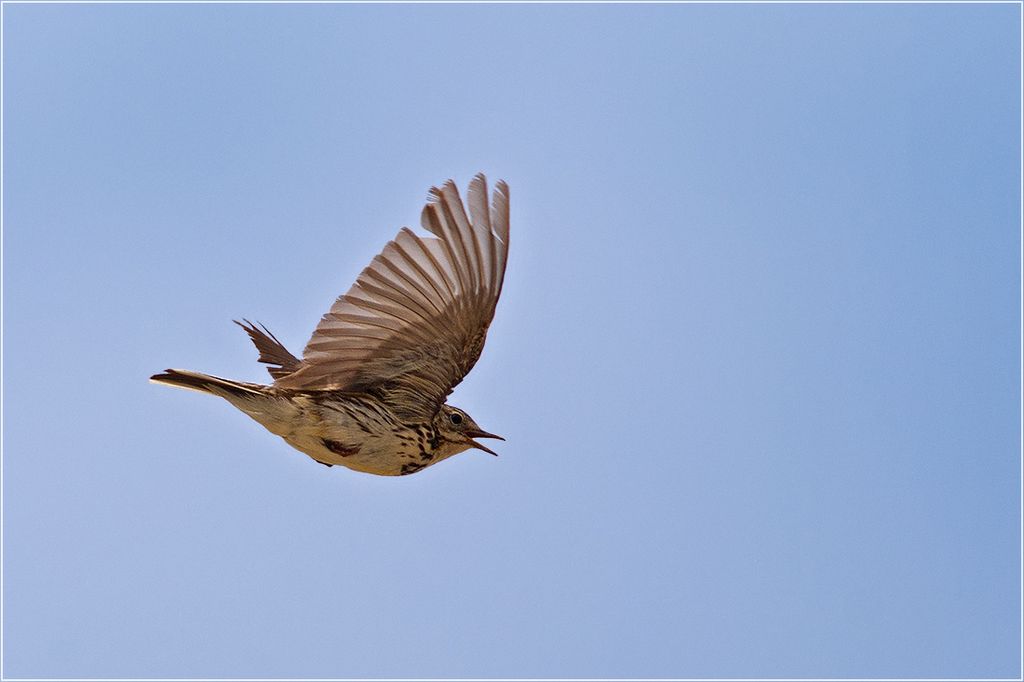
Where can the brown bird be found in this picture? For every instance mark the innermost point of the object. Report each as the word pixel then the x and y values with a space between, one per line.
pixel 369 392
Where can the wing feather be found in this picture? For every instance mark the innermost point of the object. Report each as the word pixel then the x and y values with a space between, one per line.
pixel 455 213
pixel 429 272
pixel 481 218
pixel 415 321
pixel 435 221
pixel 499 209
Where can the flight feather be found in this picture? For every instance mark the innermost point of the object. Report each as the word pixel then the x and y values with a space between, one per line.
pixel 415 321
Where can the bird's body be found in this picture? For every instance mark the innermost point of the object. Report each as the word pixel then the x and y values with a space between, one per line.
pixel 369 391
pixel 333 427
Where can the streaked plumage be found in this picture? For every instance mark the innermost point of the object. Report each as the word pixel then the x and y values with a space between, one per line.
pixel 369 392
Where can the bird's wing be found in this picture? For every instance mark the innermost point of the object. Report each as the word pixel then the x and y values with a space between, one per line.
pixel 414 323
pixel 272 352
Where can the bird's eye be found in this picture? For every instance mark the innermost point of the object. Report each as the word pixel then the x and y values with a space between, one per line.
pixel 456 418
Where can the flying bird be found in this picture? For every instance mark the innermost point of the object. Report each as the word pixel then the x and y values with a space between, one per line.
pixel 369 392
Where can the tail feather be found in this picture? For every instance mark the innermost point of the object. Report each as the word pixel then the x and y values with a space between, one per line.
pixel 205 383
pixel 272 351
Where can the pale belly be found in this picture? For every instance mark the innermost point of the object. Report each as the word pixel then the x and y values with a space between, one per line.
pixel 381 456
pixel 341 432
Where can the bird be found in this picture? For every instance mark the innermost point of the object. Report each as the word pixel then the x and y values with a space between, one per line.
pixel 370 390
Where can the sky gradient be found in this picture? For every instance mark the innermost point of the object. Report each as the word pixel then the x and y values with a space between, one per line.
pixel 757 356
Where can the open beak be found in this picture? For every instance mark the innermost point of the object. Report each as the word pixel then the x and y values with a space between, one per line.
pixel 471 434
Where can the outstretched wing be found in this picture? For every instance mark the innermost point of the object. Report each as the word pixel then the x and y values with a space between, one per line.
pixel 415 321
pixel 272 352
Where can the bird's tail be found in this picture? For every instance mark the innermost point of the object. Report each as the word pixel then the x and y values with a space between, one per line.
pixel 278 414
pixel 204 383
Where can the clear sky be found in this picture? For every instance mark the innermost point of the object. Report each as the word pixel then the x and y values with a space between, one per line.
pixel 756 359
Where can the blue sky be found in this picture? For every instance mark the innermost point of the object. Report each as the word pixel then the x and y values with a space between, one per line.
pixel 757 357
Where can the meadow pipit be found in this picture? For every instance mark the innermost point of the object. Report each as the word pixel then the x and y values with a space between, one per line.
pixel 369 392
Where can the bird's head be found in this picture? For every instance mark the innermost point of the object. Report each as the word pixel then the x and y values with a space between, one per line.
pixel 457 430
